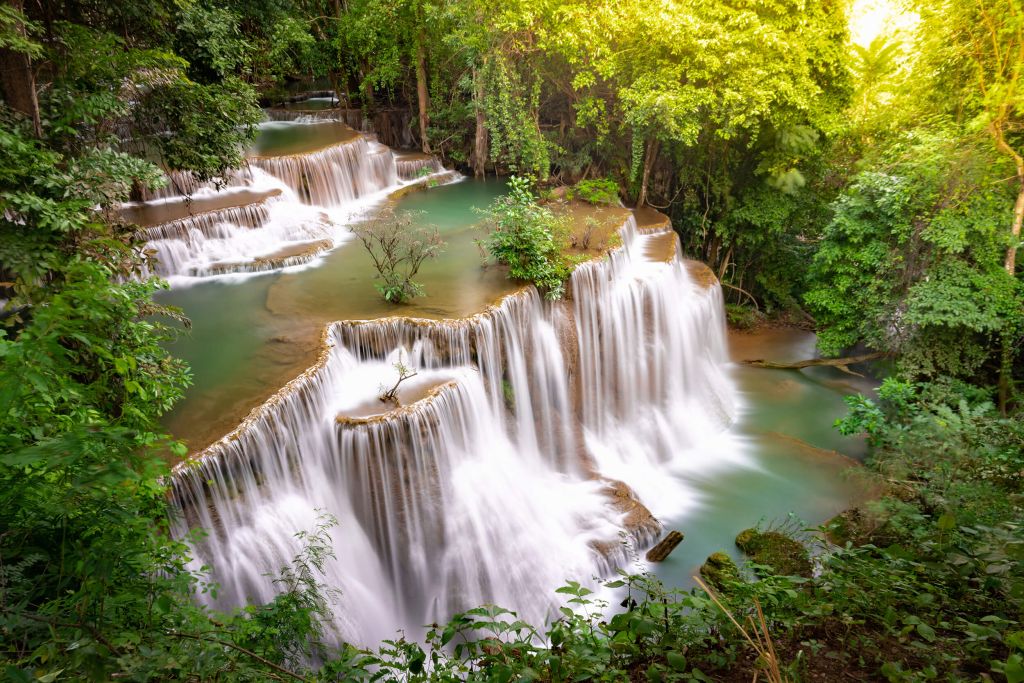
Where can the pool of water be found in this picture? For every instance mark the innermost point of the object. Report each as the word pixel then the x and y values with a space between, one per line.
pixel 282 138
pixel 781 460
pixel 251 335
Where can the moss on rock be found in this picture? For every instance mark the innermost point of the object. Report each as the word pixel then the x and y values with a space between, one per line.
pixel 776 550
pixel 719 571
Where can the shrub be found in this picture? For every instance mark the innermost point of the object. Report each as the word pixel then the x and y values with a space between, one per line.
pixel 398 248
pixel 600 191
pixel 529 239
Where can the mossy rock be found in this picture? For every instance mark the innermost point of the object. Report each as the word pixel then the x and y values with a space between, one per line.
pixel 783 554
pixel 856 526
pixel 720 571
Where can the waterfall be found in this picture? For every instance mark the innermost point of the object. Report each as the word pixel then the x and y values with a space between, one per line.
pixel 185 183
pixel 290 209
pixel 272 233
pixel 510 466
pixel 335 175
pixel 350 117
pixel 413 167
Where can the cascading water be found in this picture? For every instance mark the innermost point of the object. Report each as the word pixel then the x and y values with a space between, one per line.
pixel 335 175
pixel 651 367
pixel 299 206
pixel 412 167
pixel 499 477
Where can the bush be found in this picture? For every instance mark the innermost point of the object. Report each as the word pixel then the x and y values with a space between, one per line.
pixel 740 316
pixel 529 239
pixel 600 191
pixel 398 248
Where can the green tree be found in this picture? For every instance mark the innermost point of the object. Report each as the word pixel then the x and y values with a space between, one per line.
pixel 911 262
pixel 977 51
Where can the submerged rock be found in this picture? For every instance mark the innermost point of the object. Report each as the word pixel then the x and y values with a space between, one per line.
pixel 776 550
pixel 719 570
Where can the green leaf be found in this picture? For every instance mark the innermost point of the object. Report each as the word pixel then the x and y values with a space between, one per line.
pixel 1013 669
pixel 676 661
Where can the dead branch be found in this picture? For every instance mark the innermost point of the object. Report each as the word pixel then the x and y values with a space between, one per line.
pixel 838 363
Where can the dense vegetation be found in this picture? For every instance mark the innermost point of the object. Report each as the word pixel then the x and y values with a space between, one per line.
pixel 875 192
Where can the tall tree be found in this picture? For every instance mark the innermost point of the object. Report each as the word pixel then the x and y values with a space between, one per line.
pixel 16 51
pixel 978 49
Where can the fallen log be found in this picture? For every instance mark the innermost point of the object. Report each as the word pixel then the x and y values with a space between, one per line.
pixel 664 547
pixel 838 363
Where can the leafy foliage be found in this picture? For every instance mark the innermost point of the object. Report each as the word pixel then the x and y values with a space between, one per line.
pixel 911 262
pixel 529 239
pixel 601 191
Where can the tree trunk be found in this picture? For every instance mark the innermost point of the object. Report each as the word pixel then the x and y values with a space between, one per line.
pixel 838 363
pixel 659 552
pixel 649 156
pixel 369 102
pixel 1018 220
pixel 18 81
pixel 480 140
pixel 421 93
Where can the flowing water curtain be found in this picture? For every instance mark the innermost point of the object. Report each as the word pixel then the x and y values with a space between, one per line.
pixel 446 498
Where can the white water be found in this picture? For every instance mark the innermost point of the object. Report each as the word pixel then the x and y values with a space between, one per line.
pixel 318 195
pixel 494 488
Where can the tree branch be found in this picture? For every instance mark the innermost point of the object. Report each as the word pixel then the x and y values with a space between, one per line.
pixel 838 363
pixel 249 653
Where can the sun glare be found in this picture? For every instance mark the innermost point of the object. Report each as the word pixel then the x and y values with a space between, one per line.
pixel 870 18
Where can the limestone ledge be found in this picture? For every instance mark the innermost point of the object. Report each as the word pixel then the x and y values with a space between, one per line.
pixel 699 271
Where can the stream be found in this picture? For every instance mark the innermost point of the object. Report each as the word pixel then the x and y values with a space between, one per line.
pixel 540 442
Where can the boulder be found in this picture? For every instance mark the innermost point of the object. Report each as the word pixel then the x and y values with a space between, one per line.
pixel 783 554
pixel 719 571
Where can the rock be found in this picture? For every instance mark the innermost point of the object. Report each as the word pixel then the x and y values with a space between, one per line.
pixel 659 552
pixel 783 554
pixel 719 571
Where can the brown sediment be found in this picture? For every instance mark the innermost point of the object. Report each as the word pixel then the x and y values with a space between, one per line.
pixel 661 247
pixel 375 410
pixel 604 233
pixel 701 273
pixel 424 183
pixel 638 522
pixel 651 219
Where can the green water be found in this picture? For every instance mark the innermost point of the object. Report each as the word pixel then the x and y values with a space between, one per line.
pixel 783 456
pixel 250 337
pixel 793 463
pixel 312 104
pixel 280 138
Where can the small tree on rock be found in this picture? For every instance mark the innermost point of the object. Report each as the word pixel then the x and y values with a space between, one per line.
pixel 398 245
